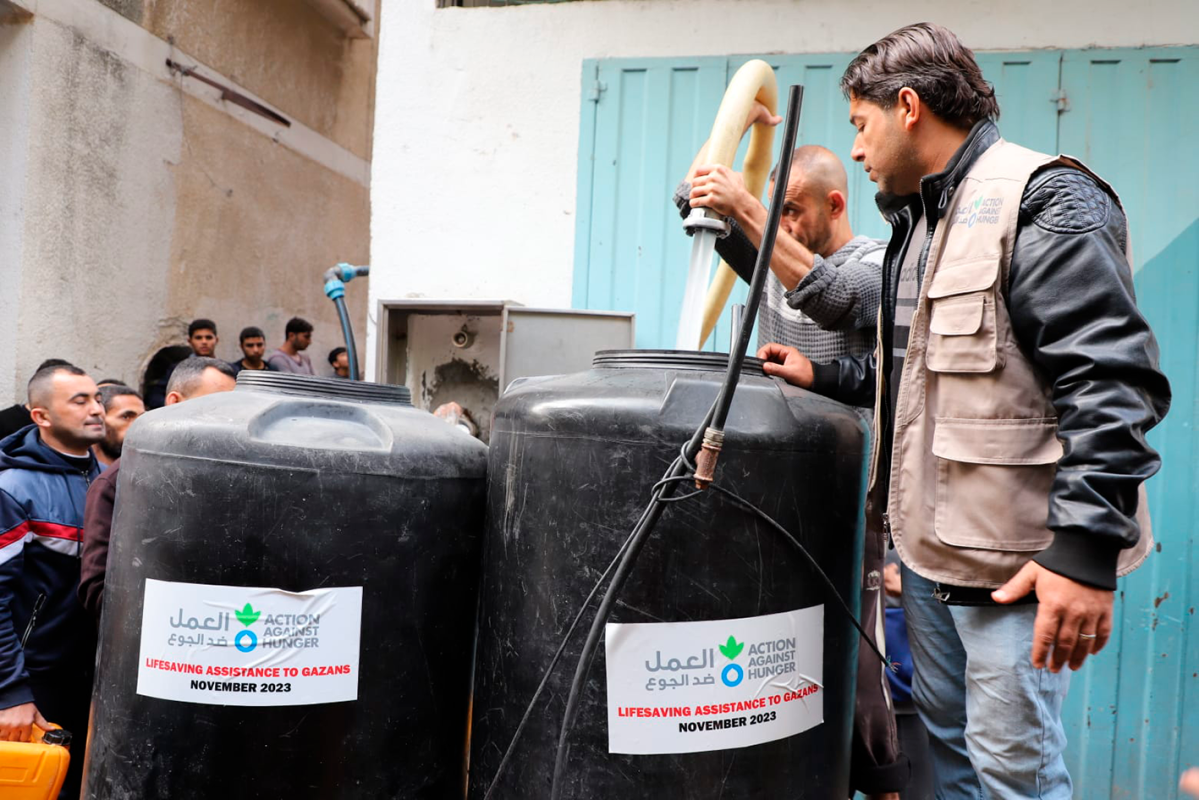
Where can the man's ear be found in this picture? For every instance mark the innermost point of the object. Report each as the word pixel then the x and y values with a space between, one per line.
pixel 40 417
pixel 909 107
pixel 173 397
pixel 836 203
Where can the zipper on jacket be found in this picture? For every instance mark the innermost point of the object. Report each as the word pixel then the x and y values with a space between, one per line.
pixel 892 262
pixel 87 483
pixel 887 530
pixel 37 606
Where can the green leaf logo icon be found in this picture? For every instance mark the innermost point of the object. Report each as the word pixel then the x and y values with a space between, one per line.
pixel 732 648
pixel 248 616
pixel 978 203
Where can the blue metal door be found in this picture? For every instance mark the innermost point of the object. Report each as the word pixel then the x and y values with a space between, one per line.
pixel 1130 115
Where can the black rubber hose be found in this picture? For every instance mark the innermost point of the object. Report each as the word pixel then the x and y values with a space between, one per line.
pixel 549 670
pixel 680 467
pixel 765 253
pixel 637 539
pixel 347 331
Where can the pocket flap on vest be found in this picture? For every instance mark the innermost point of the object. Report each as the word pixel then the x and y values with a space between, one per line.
pixel 968 276
pixel 1004 441
pixel 957 317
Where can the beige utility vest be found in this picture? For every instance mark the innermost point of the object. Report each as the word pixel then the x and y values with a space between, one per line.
pixel 975 445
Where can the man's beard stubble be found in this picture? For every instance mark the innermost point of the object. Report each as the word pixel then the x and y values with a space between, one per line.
pixel 110 449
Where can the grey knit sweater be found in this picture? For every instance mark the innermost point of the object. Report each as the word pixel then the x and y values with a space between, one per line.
pixel 833 310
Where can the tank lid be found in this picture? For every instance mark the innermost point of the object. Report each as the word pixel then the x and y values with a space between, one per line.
pixel 57 736
pixel 671 359
pixel 309 386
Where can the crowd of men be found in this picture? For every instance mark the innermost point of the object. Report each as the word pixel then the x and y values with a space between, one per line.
pixel 57 492
pixel 60 456
pixel 288 357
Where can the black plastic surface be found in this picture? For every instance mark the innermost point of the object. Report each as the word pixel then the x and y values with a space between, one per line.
pixel 286 483
pixel 572 461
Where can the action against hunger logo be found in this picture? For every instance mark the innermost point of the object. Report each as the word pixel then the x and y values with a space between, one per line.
pixel 982 211
pixel 730 650
pixel 246 640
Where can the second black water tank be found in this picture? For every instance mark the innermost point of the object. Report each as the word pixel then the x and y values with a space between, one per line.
pixel 290 599
pixel 570 469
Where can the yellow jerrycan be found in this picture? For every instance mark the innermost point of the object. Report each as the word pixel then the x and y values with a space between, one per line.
pixel 35 770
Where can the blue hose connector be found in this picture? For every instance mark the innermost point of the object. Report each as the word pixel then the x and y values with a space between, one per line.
pixel 335 289
pixel 338 275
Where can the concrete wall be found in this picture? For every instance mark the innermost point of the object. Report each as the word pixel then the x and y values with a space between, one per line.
pixel 16 57
pixel 99 211
pixel 477 114
pixel 133 200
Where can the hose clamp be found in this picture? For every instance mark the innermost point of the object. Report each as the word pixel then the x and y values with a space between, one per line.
pixel 702 219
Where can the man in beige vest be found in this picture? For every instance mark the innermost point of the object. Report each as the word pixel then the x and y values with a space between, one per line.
pixel 1013 383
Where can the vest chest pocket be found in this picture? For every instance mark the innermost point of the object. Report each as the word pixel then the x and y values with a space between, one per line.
pixel 962 332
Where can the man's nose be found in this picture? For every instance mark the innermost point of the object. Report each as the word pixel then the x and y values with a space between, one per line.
pixel 858 153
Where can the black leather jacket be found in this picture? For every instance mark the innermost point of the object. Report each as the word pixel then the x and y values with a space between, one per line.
pixel 1073 311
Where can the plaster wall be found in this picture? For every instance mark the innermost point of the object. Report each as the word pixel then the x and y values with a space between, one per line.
pixel 16 55
pixel 99 208
pixel 477 111
pixel 282 50
pixel 262 225
pixel 129 204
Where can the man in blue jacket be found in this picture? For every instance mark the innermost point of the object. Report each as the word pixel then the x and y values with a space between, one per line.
pixel 47 644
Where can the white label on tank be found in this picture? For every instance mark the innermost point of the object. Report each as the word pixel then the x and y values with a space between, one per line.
pixel 249 646
pixel 690 687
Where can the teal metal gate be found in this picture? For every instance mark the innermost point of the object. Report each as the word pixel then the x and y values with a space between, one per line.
pixel 1130 115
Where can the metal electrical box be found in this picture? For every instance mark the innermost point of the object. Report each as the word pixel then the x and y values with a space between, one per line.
pixel 469 351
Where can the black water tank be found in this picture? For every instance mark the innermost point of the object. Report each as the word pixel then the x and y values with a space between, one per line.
pixel 571 465
pixel 289 484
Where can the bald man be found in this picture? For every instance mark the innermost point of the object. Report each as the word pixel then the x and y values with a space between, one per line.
pixel 824 293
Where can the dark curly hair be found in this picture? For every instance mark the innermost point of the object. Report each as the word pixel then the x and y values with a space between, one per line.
pixel 932 61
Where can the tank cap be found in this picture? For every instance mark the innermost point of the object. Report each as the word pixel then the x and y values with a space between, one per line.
pixel 57 736
pixel 308 386
pixel 672 359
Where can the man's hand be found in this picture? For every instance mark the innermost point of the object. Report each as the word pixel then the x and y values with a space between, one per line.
pixel 892 582
pixel 719 188
pixel 1189 782
pixel 16 723
pixel 1073 620
pixel 787 363
pixel 759 113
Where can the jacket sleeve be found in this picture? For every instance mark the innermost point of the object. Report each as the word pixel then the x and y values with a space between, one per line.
pixel 847 379
pixel 97 525
pixel 1073 311
pixel 842 298
pixel 736 249
pixel 14 527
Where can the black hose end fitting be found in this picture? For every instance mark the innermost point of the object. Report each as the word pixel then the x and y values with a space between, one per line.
pixel 705 462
